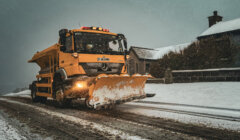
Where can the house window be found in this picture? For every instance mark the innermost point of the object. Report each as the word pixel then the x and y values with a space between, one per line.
pixel 147 68
pixel 136 68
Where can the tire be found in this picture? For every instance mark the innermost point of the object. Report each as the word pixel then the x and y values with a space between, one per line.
pixel 35 98
pixel 43 99
pixel 87 104
pixel 66 103
pixel 58 92
pixel 57 85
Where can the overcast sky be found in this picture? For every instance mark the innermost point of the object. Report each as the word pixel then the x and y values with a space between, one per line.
pixel 28 26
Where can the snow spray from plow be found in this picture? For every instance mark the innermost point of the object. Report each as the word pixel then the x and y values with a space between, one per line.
pixel 116 89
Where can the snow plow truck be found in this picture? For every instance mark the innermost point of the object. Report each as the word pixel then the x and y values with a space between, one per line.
pixel 87 63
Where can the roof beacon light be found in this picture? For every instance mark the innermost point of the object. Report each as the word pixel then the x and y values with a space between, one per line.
pixel 105 30
pixel 85 28
pixel 94 28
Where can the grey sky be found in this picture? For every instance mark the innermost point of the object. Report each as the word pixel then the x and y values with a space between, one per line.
pixel 28 26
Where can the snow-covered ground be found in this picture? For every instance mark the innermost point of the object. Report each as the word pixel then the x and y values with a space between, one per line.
pixel 7 131
pixel 216 94
pixel 214 98
pixel 25 93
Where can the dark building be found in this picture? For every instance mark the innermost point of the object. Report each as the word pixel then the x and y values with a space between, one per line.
pixel 215 18
pixel 140 60
pixel 223 33
pixel 220 28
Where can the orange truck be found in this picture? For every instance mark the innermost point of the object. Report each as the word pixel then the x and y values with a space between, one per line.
pixel 87 63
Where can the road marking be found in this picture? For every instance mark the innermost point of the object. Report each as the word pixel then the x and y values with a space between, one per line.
pixel 84 123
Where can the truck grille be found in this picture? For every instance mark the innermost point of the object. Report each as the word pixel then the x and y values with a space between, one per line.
pixel 98 68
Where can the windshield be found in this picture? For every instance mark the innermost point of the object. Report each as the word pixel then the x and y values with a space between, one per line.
pixel 97 43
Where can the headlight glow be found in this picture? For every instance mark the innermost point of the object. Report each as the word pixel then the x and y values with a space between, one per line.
pixel 79 85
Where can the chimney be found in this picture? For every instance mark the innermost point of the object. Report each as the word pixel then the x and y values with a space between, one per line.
pixel 215 18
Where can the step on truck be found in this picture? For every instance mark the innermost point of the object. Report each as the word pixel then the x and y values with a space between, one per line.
pixel 87 63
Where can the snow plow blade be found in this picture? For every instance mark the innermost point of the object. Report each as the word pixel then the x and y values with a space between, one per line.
pixel 116 89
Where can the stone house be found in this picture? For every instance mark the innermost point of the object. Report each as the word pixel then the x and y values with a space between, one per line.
pixel 218 28
pixel 140 59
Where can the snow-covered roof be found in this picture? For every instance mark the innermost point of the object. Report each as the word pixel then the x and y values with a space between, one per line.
pixel 222 27
pixel 157 53
pixel 144 53
pixel 164 50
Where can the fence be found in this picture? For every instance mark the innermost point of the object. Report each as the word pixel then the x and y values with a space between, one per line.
pixel 205 75
pixel 156 80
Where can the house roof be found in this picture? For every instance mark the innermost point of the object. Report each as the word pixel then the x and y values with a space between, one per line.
pixel 222 27
pixel 157 53
pixel 144 53
pixel 174 48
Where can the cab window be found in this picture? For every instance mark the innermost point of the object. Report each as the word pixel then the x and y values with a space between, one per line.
pixel 68 44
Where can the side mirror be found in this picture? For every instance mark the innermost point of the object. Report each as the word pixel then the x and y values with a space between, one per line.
pixel 63 48
pixel 62 35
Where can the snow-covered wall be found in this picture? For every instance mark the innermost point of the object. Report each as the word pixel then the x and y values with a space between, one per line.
pixel 204 75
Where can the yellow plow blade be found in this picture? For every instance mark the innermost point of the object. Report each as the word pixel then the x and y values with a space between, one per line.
pixel 115 89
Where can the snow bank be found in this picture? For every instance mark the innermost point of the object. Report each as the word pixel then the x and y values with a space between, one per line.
pixel 204 97
pixel 216 94
pixel 25 93
pixel 196 120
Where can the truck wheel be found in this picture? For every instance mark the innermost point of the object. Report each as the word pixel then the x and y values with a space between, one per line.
pixel 87 103
pixel 62 101
pixel 57 86
pixel 58 92
pixel 43 99
pixel 59 95
pixel 66 102
pixel 35 98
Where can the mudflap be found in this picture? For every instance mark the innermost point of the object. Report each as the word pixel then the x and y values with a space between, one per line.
pixel 116 89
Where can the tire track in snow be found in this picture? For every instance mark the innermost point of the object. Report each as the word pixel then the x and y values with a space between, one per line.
pixel 108 118
pixel 173 127
pixel 207 115
pixel 188 105
pixel 84 123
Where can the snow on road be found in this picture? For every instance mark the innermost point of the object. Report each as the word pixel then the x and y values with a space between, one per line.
pixel 86 124
pixel 204 97
pixel 7 131
pixel 216 94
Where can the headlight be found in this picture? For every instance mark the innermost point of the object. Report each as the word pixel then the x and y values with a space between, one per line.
pixel 80 85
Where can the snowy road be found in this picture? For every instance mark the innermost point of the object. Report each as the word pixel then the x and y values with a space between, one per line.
pixel 178 111
pixel 212 104
pixel 79 122
pixel 7 131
